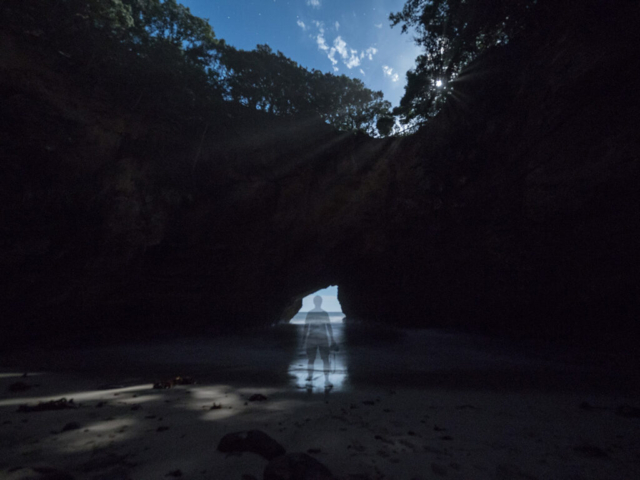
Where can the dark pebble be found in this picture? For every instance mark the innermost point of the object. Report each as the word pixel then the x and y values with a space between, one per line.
pixel 257 397
pixel 71 426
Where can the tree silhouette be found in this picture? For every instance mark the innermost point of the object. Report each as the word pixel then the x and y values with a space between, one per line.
pixel 271 82
pixel 154 56
pixel 452 33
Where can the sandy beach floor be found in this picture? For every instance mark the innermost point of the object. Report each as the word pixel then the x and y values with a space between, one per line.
pixel 418 404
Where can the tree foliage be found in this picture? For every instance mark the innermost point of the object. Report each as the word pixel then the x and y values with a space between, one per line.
pixel 274 83
pixel 452 33
pixel 155 57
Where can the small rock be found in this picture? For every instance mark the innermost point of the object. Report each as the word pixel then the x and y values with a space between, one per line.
pixel 172 382
pixel 255 441
pixel 184 381
pixel 439 429
pixel 216 406
pixel 71 426
pixel 295 466
pixel 163 385
pixel 60 404
pixel 162 429
pixel 257 397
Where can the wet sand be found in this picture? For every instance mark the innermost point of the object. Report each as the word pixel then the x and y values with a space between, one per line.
pixel 416 404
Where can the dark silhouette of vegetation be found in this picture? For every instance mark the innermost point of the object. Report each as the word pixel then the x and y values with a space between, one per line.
pixel 156 58
pixel 452 33
pixel 274 83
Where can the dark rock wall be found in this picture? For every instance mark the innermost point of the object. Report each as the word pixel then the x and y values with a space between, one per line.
pixel 528 187
pixel 515 210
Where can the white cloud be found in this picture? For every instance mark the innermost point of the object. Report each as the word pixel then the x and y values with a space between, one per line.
pixel 339 51
pixel 301 24
pixel 377 25
pixel 353 60
pixel 337 25
pixel 341 46
pixel 370 52
pixel 332 57
pixel 362 72
pixel 314 3
pixel 322 44
pixel 389 72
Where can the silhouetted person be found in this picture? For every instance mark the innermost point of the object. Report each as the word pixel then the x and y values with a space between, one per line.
pixel 318 335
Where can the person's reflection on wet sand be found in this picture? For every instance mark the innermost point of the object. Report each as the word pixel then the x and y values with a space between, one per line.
pixel 318 335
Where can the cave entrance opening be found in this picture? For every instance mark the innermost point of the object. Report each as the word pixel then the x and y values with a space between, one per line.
pixel 320 363
pixel 330 304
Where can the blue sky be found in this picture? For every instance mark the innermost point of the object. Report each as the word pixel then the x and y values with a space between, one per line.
pixel 330 301
pixel 350 37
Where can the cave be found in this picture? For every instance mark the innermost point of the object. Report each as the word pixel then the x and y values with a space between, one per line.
pixel 156 257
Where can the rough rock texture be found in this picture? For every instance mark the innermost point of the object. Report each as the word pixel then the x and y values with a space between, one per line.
pixel 526 220
pixel 515 210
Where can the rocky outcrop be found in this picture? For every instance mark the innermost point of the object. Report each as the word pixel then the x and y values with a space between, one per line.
pixel 515 210
pixel 528 218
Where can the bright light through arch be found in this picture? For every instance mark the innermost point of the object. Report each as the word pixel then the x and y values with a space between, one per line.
pixel 330 304
pixel 438 83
